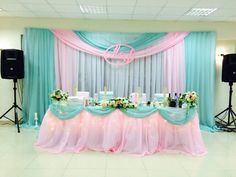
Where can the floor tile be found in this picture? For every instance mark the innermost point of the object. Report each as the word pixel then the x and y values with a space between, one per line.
pixel 126 173
pixel 19 158
pixel 208 173
pixel 42 173
pixel 94 161
pixel 124 161
pixel 50 161
pixel 167 173
pixel 85 173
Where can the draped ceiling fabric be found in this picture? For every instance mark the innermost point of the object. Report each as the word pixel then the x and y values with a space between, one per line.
pixel 160 62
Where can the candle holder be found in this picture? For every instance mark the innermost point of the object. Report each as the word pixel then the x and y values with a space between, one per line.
pixel 36 120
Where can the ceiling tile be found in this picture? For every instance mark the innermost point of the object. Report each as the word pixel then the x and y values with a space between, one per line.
pixel 120 9
pixel 12 7
pixel 224 12
pixel 210 3
pixel 158 3
pixel 67 8
pixel 33 1
pixel 229 4
pixel 181 3
pixel 62 2
pixel 92 2
pixel 121 2
pixel 39 7
pixel 9 1
pixel 173 11
pixel 147 10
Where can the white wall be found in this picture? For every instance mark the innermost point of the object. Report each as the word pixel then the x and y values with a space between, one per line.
pixel 12 28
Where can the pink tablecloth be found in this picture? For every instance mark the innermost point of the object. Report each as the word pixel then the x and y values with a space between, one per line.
pixel 119 133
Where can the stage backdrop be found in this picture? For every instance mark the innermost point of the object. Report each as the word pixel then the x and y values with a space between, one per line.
pixel 123 62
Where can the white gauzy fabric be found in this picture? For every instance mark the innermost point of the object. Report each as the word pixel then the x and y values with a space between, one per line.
pixel 152 74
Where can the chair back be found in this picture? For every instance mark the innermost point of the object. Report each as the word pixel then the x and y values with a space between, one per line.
pixel 159 97
pixel 83 95
pixel 109 95
pixel 134 97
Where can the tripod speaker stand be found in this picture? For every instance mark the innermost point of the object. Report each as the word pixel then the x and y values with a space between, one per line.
pixel 14 107
pixel 226 119
pixel 230 123
pixel 12 67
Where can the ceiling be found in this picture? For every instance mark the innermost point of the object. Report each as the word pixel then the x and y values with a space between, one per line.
pixel 120 9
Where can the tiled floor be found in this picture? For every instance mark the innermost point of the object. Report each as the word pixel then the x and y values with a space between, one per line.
pixel 18 158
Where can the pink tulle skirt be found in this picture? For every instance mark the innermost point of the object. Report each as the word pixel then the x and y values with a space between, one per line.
pixel 117 132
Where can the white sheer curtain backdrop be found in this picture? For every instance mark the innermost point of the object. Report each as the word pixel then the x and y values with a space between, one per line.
pixel 91 73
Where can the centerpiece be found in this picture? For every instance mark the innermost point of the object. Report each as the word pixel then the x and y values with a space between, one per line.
pixel 59 95
pixel 188 99
pixel 121 102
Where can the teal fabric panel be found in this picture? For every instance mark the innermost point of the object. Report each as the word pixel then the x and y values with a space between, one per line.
pixel 65 111
pixel 104 40
pixel 174 116
pixel 39 78
pixel 200 72
pixel 177 116
pixel 140 111
pixel 99 110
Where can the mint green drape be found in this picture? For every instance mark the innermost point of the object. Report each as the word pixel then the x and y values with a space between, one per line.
pixel 174 116
pixel 39 78
pixel 200 72
pixel 104 40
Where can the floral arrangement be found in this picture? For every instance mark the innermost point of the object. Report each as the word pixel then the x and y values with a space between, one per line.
pixel 120 102
pixel 188 98
pixel 59 95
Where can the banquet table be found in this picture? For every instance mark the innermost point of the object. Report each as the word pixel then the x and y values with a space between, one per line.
pixel 144 130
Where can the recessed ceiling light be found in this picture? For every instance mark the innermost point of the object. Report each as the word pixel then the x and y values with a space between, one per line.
pixel 200 11
pixel 86 9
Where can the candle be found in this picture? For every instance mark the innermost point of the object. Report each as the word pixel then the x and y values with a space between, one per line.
pixel 105 93
pixel 139 94
pixel 75 91
pixel 164 92
pixel 35 116
pixel 36 119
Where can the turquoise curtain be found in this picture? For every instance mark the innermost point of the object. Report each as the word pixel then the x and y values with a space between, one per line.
pixel 104 40
pixel 200 72
pixel 39 78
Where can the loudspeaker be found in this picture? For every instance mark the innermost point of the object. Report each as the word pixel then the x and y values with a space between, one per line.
pixel 12 64
pixel 229 68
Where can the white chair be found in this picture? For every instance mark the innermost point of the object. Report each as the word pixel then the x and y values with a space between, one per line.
pixel 109 95
pixel 79 98
pixel 159 97
pixel 142 98
pixel 83 95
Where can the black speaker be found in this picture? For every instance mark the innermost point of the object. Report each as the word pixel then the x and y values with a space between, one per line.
pixel 12 64
pixel 229 68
